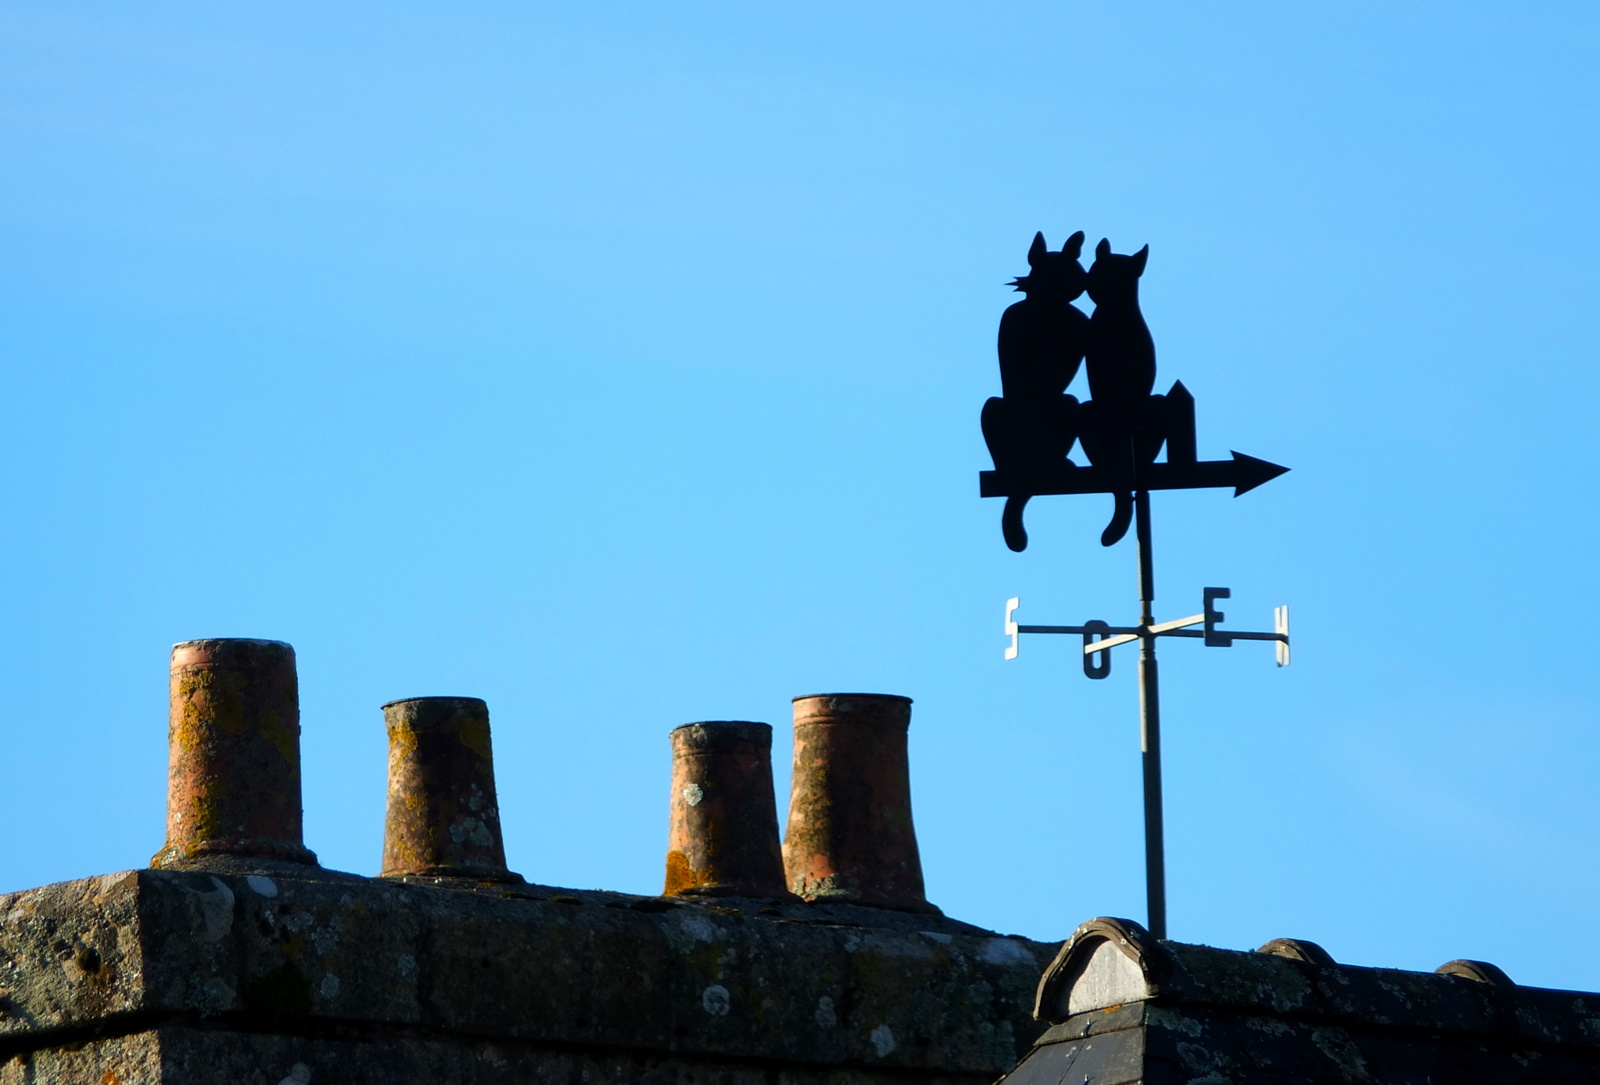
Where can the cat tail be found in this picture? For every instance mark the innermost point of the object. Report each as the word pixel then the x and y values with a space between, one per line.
pixel 1011 523
pixel 1121 517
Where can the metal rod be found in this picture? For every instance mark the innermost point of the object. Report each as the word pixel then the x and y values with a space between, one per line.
pixel 1155 872
pixel 1127 634
pixel 1110 643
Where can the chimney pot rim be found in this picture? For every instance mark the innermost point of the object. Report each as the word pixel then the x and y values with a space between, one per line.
pixel 437 697
pixel 231 640
pixel 871 696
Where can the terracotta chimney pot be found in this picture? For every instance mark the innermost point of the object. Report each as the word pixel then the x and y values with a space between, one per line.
pixel 850 835
pixel 233 776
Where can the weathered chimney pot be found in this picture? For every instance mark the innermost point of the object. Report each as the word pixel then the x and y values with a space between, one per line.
pixel 850 836
pixel 233 776
pixel 723 839
pixel 443 817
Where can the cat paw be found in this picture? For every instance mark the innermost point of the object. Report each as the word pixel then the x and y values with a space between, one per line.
pixel 1121 518
pixel 1011 524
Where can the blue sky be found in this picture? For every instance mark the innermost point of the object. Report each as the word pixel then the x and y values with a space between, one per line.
pixel 622 367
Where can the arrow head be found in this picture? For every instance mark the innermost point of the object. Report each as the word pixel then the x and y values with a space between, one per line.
pixel 1249 472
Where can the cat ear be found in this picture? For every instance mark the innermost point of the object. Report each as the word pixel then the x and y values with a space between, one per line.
pixel 1037 250
pixel 1139 259
pixel 1102 250
pixel 1074 246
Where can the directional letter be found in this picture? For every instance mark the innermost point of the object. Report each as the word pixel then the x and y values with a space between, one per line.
pixel 1092 667
pixel 1214 616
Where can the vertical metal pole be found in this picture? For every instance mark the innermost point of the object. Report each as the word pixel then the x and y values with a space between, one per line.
pixel 1155 865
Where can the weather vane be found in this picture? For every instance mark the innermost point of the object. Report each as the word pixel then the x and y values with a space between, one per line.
pixel 1031 428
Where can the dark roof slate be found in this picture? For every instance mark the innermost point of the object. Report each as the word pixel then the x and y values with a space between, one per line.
pixel 1288 1012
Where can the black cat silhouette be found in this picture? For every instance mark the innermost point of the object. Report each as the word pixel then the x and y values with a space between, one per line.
pixel 1032 424
pixel 1122 426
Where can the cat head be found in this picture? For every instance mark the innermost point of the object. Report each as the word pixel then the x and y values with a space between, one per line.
pixel 1115 274
pixel 1055 273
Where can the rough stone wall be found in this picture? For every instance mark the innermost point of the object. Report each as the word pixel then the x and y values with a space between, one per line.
pixel 279 973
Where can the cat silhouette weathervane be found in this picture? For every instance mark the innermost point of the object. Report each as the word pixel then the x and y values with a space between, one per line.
pixel 1122 428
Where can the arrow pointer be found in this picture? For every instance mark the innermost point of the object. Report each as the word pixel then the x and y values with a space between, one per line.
pixel 1244 473
pixel 1249 472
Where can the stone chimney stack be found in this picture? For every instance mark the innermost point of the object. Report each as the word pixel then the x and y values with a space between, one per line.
pixel 850 835
pixel 723 839
pixel 233 778
pixel 443 817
